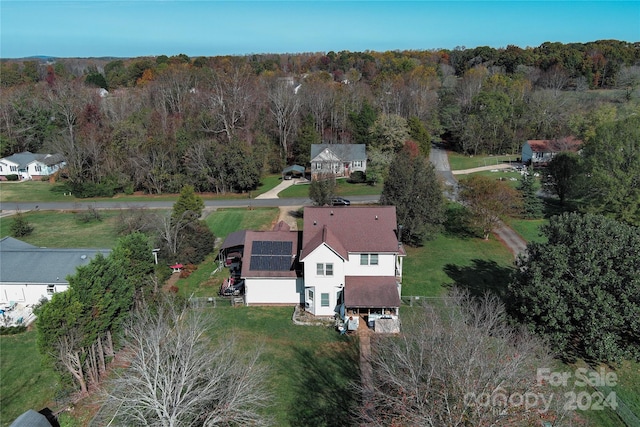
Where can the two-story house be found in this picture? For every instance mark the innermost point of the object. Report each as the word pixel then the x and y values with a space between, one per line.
pixel 338 159
pixel 352 261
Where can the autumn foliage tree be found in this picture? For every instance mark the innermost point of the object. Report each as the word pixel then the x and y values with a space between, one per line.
pixel 490 201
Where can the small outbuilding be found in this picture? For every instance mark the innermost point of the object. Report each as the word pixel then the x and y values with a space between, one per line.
pixel 293 170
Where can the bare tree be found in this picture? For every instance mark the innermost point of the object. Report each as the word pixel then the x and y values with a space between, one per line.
pixel 459 363
pixel 229 100
pixel 177 377
pixel 284 106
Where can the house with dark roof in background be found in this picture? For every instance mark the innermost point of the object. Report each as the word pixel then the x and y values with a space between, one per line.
pixel 29 273
pixel 541 151
pixel 338 159
pixel 31 166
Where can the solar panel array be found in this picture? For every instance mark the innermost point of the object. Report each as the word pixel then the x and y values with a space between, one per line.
pixel 270 256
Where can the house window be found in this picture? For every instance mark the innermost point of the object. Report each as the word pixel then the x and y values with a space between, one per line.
pixel 368 259
pixel 38 168
pixel 357 163
pixel 51 289
pixel 13 168
pixel 318 166
pixel 324 300
pixel 310 295
pixel 324 269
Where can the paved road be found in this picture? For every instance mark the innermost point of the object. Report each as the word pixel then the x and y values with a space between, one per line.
pixel 209 204
pixel 505 234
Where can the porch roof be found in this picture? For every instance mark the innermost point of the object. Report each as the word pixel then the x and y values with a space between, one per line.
pixel 371 292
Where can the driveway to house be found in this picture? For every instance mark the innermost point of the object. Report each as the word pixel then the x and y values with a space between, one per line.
pixel 505 234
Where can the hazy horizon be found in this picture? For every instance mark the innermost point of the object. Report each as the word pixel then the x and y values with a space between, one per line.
pixel 126 29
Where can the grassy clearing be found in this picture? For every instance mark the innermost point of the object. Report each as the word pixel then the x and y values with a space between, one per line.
pixel 472 263
pixel 43 191
pixel 225 221
pixel 65 230
pixel 510 177
pixel 528 229
pixel 311 366
pixel 459 161
pixel 343 188
pixel 25 384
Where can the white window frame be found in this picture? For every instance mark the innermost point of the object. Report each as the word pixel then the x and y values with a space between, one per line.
pixel 51 289
pixel 325 300
pixel 324 269
pixel 369 259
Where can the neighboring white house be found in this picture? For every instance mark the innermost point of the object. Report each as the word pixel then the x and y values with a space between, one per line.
pixel 31 166
pixel 29 273
pixel 338 159
pixel 541 151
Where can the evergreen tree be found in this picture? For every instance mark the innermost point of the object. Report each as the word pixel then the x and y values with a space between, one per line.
pixel 531 203
pixel 581 288
pixel 361 122
pixel 413 188
pixel 420 135
pixel 189 205
pixel 20 227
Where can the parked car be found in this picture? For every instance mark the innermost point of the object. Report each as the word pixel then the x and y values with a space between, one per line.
pixel 340 201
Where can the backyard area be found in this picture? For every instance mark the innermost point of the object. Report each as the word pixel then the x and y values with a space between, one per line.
pixel 312 367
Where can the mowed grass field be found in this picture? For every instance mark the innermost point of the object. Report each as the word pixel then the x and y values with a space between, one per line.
pixel 459 161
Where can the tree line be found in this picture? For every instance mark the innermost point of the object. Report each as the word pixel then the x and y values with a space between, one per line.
pixel 219 123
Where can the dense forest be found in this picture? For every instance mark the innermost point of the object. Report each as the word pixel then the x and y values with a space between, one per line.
pixel 154 124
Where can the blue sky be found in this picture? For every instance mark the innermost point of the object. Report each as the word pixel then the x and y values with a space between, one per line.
pixel 93 28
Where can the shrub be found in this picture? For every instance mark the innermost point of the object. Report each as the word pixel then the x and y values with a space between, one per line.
pixel 20 227
pixel 12 330
pixel 13 177
pixel 358 177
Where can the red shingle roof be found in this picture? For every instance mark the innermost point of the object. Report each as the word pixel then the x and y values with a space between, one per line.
pixel 371 291
pixel 568 143
pixel 350 229
pixel 269 236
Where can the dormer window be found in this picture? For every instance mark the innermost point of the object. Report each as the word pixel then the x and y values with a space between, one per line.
pixel 368 259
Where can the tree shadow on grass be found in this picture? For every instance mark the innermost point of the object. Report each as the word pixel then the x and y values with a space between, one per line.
pixel 325 385
pixel 458 222
pixel 481 276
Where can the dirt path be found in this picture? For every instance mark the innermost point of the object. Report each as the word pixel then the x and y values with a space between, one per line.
pixel 288 215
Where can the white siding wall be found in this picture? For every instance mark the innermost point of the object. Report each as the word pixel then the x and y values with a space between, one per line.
pixel 274 291
pixel 27 294
pixel 386 266
pixel 323 284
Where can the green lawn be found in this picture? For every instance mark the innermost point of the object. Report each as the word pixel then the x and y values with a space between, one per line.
pixel 459 161
pixel 528 229
pixel 472 263
pixel 224 221
pixel 43 191
pixel 25 383
pixel 65 230
pixel 311 366
pixel 343 188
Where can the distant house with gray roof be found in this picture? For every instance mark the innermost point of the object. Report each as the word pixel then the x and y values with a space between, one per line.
pixel 338 159
pixel 29 273
pixel 31 166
